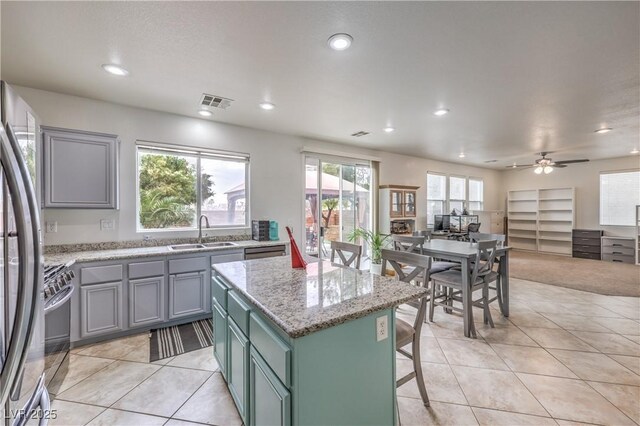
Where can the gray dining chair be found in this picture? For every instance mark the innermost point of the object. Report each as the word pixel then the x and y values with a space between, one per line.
pixel 446 286
pixel 410 333
pixel 415 244
pixel 354 251
pixel 408 243
pixel 474 237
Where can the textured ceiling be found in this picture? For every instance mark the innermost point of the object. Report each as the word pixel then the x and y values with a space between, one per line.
pixel 519 77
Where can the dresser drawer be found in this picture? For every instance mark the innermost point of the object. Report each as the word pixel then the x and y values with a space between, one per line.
pixel 618 258
pixel 274 351
pixel 628 251
pixel 587 233
pixel 586 249
pixel 583 255
pixel 585 241
pixel 618 242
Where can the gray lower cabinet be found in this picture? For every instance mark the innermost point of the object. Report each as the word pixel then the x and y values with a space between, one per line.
pixel 101 309
pixel 80 169
pixel 220 337
pixel 146 301
pixel 269 400
pixel 238 367
pixel 187 294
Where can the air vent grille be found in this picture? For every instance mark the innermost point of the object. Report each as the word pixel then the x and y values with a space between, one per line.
pixel 360 134
pixel 491 161
pixel 214 101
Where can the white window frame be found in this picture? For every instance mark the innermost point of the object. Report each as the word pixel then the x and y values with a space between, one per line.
pixel 447 201
pixel 479 179
pixel 612 172
pixel 466 191
pixel 199 153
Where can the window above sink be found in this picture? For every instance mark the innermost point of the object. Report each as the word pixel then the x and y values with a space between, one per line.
pixel 175 185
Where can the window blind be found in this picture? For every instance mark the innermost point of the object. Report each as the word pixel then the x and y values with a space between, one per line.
pixel 619 195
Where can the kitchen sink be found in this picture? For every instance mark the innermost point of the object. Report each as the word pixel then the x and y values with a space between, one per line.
pixel 186 247
pixel 220 244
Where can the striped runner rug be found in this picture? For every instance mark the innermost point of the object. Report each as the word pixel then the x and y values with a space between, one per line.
pixel 178 339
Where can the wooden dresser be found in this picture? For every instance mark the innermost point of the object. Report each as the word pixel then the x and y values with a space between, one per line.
pixel 587 243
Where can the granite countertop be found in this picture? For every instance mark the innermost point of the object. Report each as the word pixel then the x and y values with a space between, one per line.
pixel 324 295
pixel 135 252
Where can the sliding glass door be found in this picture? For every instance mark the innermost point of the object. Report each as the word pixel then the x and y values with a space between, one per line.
pixel 337 201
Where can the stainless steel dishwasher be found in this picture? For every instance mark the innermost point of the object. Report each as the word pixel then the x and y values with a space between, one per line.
pixel 264 251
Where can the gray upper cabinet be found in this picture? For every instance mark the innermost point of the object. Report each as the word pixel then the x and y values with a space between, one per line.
pixel 80 169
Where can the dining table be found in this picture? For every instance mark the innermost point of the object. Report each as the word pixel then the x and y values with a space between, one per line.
pixel 465 253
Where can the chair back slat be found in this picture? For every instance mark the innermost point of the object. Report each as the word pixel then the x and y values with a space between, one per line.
pixel 474 237
pixel 484 259
pixel 340 248
pixel 408 243
pixel 400 261
pixel 426 234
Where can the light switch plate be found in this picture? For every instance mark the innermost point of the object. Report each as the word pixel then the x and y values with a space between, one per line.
pixel 382 328
pixel 52 227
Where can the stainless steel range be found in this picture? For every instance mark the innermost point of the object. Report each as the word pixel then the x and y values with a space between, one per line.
pixel 57 286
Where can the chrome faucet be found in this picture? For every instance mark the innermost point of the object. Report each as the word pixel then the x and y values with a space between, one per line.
pixel 206 219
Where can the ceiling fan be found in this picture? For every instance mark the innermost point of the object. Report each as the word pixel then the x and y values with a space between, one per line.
pixel 547 165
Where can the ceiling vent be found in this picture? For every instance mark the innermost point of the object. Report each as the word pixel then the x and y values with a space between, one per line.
pixel 491 161
pixel 360 133
pixel 213 101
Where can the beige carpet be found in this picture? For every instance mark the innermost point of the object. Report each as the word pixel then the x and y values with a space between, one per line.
pixel 614 279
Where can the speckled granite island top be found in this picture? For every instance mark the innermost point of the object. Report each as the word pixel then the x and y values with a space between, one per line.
pixel 302 301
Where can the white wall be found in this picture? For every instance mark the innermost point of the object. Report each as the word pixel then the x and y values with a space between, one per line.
pixel 585 178
pixel 276 182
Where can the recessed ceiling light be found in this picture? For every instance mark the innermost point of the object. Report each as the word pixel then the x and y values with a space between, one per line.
pixel 340 41
pixel 440 112
pixel 634 151
pixel 604 130
pixel 461 155
pixel 205 113
pixel 115 70
pixel 268 106
pixel 389 129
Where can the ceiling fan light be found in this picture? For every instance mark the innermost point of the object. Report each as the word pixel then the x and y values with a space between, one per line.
pixel 547 170
pixel 538 170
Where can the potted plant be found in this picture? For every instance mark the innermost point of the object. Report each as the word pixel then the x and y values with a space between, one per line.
pixel 376 242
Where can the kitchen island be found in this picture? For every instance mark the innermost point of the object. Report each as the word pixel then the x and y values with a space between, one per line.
pixel 314 346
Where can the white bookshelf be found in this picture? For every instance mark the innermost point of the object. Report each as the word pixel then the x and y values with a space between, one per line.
pixel 638 235
pixel 541 219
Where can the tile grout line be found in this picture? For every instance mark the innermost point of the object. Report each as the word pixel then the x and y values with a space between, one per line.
pixel 610 402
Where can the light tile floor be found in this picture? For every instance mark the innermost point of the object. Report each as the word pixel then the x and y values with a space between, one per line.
pixel 563 357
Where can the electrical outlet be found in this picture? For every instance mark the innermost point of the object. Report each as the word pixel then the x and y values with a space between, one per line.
pixel 382 328
pixel 52 227
pixel 107 225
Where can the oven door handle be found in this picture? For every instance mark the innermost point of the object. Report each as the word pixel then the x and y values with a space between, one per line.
pixel 27 227
pixel 58 299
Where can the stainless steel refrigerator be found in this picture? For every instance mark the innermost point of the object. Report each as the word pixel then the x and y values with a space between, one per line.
pixel 23 394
